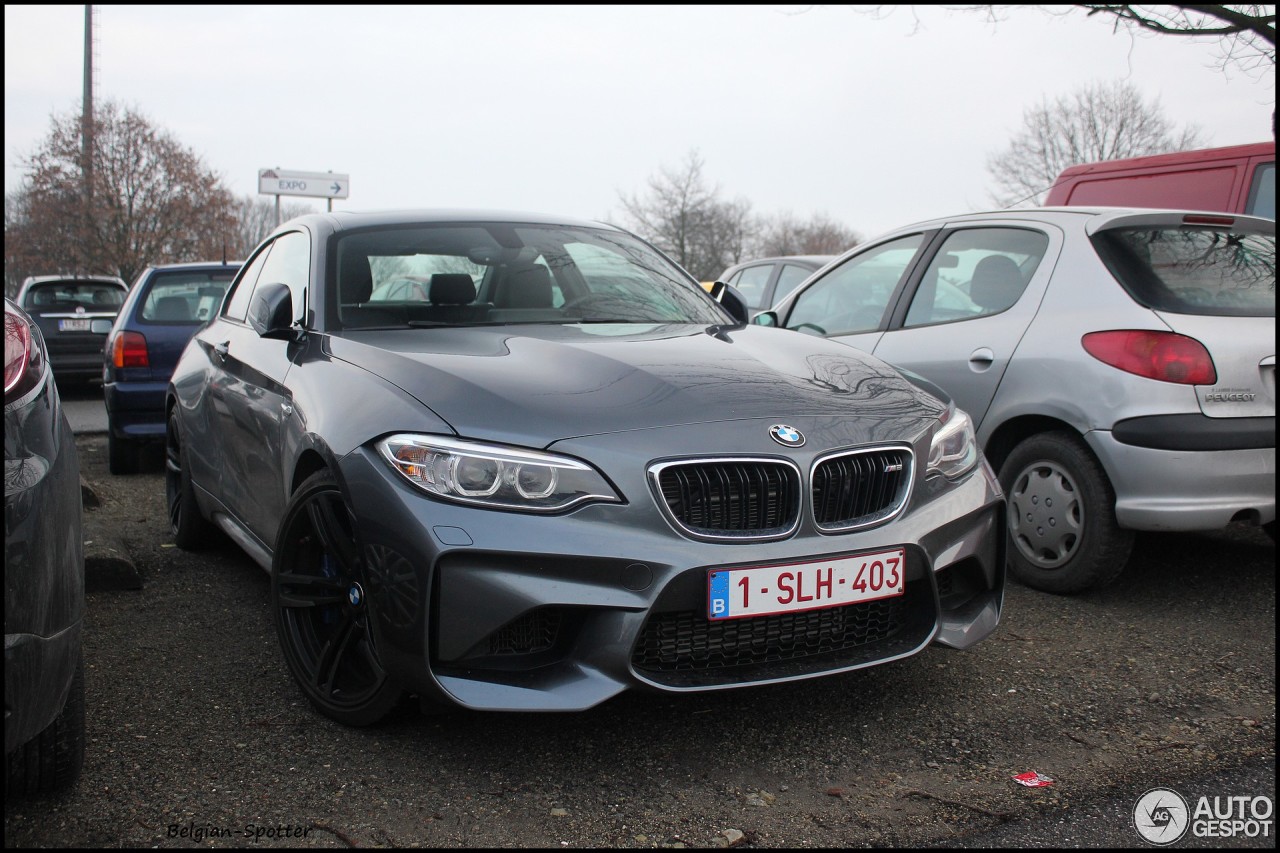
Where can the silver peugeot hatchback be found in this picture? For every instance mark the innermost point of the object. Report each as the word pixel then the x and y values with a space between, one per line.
pixel 1119 363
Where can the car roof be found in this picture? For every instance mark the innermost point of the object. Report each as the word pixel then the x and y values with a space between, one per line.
pixel 198 265
pixel 344 220
pixel 33 280
pixel 1099 214
pixel 816 260
pixel 41 279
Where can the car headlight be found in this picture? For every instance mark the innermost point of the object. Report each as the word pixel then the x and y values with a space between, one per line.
pixel 954 450
pixel 493 476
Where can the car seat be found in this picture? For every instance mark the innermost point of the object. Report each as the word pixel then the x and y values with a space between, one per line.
pixel 996 284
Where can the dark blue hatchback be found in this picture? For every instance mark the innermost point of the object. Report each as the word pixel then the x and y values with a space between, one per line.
pixel 164 308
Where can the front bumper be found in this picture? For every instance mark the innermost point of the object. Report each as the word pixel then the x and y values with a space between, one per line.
pixel 514 612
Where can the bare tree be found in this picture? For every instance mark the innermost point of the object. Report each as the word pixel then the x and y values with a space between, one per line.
pixel 1246 34
pixel 785 234
pixel 685 217
pixel 255 218
pixel 17 265
pixel 153 201
pixel 1098 122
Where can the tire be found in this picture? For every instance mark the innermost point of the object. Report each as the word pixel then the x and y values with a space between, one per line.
pixel 122 455
pixel 191 530
pixel 1063 534
pixel 321 610
pixel 52 760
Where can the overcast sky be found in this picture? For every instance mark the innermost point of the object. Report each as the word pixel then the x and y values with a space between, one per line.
pixel 559 109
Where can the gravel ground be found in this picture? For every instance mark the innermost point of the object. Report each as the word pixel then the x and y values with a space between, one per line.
pixel 197 736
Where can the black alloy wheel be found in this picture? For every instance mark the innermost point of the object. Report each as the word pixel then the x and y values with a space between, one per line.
pixel 321 611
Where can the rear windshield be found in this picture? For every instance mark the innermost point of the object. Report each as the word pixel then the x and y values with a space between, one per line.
pixel 89 295
pixel 186 296
pixel 1193 270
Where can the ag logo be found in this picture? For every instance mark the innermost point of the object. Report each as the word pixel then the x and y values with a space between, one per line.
pixel 785 435
pixel 1161 816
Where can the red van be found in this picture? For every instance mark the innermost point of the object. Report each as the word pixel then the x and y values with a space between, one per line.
pixel 1235 179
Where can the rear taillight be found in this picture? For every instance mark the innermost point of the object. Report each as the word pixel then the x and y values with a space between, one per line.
pixel 23 356
pixel 129 349
pixel 1165 356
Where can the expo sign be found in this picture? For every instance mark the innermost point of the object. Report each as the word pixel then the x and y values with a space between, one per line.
pixel 315 184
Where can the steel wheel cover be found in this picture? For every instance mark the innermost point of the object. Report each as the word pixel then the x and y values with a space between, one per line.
pixel 1046 515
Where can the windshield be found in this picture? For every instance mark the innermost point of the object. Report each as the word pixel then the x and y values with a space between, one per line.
pixel 499 273
pixel 1194 270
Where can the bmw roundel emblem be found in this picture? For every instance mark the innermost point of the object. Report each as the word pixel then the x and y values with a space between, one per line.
pixel 786 435
pixel 355 595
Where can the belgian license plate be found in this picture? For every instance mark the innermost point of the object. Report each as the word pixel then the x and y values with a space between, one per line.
pixel 766 590
pixel 75 325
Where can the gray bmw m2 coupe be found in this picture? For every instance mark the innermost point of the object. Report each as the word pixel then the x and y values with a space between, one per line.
pixel 566 472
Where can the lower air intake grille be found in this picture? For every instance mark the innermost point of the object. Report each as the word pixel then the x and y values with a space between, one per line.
pixel 688 641
pixel 534 632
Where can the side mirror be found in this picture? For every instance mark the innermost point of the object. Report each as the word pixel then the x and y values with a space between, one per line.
pixel 732 301
pixel 766 318
pixel 271 312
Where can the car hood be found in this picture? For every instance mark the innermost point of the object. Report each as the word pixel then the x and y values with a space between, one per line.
pixel 536 384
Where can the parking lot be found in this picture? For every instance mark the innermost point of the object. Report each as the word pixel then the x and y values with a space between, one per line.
pixel 197 735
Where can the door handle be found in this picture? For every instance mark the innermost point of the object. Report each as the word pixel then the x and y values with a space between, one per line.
pixel 981 359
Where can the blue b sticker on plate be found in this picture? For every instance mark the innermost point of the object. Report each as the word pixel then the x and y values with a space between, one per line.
pixel 718 598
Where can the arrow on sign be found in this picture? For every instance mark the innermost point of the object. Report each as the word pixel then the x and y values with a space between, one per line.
pixel 337 187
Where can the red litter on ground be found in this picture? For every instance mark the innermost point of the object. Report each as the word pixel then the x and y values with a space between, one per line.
pixel 1032 779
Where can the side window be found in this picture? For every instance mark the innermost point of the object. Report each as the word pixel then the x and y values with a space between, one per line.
pixel 790 276
pixel 854 296
pixel 752 283
pixel 1262 195
pixel 237 304
pixel 289 263
pixel 976 273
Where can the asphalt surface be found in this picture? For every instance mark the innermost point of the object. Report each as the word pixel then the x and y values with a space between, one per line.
pixel 85 410
pixel 197 736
